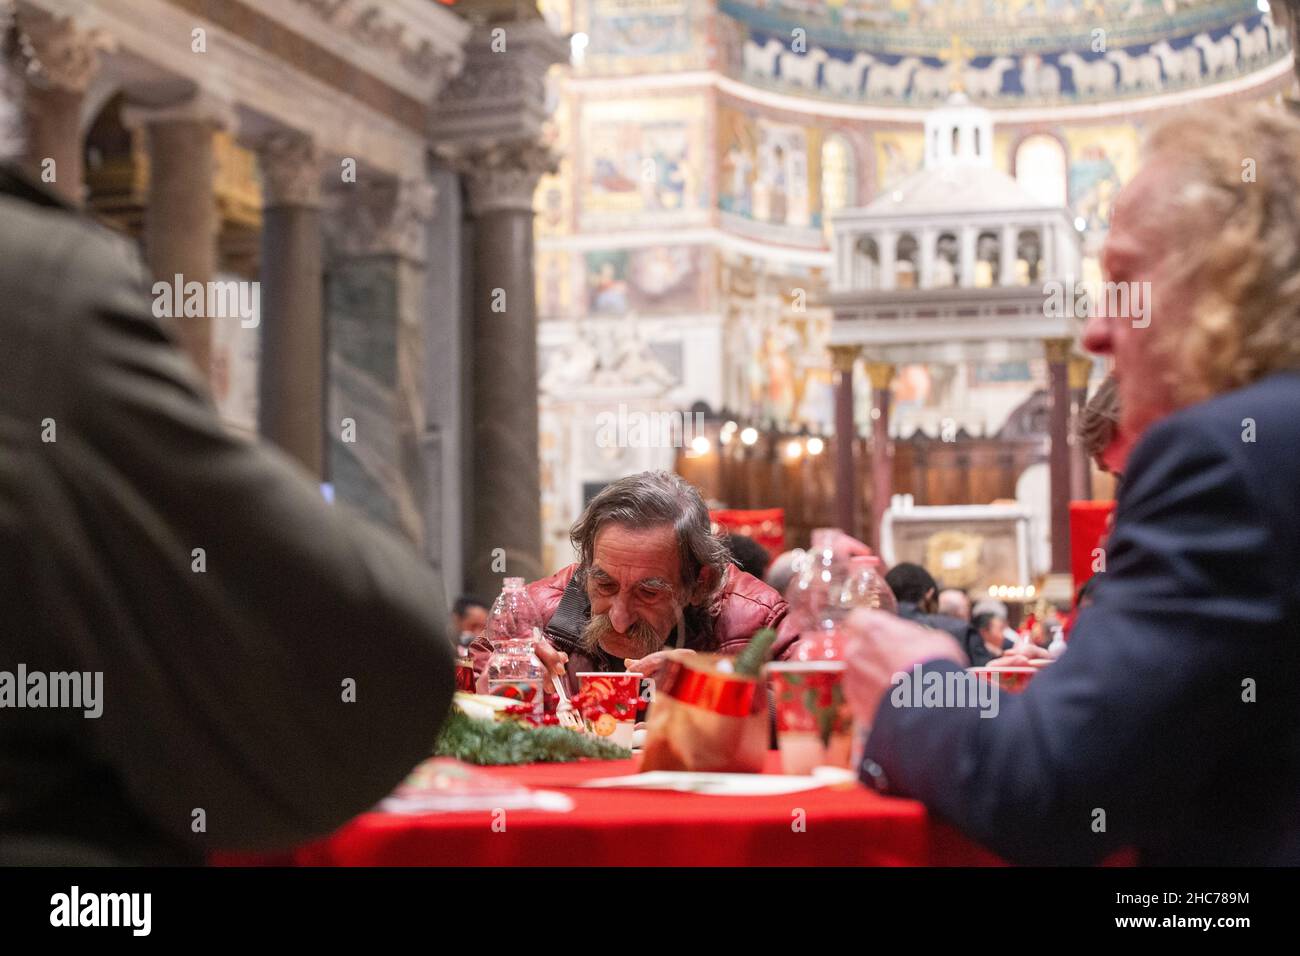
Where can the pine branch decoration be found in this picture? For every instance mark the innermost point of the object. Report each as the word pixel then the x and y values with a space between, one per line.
pixel 502 744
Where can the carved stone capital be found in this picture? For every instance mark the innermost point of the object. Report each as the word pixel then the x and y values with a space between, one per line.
pixel 1057 351
pixel 501 92
pixel 844 357
pixel 56 53
pixel 196 107
pixel 291 171
pixel 880 374
pixel 501 176
pixel 380 216
pixel 1080 370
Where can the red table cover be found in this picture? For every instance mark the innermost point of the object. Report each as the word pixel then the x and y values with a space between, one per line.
pixel 828 827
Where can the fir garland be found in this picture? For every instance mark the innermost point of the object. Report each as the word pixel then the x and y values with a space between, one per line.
pixel 500 744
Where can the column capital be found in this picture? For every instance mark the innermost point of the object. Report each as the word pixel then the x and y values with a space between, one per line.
pixel 501 176
pixel 291 174
pixel 380 216
pixel 881 374
pixel 1080 370
pixel 56 52
pixel 844 357
pixel 1057 350
pixel 200 106
pixel 501 92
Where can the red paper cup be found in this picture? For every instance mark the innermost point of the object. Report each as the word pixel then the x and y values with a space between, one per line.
pixel 814 723
pixel 609 703
pixel 465 676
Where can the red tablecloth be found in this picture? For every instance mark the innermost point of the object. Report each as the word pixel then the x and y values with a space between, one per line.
pixel 852 826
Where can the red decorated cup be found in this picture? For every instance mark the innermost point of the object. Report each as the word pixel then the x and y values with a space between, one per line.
pixel 608 703
pixel 814 724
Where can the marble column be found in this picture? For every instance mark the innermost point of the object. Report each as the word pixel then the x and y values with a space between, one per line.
pixel 376 243
pixel 506 535
pixel 1007 256
pixel 1057 352
pixel 291 370
pixel 925 255
pixel 843 359
pixel 845 251
pixel 966 257
pixel 882 449
pixel 58 59
pixel 1080 369
pixel 887 245
pixel 181 222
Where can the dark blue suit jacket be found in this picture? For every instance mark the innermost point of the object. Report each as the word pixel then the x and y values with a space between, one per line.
pixel 1148 717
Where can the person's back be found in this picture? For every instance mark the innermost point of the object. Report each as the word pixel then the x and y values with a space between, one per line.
pixel 1175 710
pixel 1242 451
pixel 270 666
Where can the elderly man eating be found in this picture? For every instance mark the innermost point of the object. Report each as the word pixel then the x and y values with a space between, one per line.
pixel 651 580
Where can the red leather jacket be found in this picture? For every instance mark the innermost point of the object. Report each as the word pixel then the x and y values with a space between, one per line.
pixel 742 606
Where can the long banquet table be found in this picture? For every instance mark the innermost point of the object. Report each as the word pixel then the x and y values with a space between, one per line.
pixel 849 826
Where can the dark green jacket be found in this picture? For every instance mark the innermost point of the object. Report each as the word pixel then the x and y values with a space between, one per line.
pixel 224 723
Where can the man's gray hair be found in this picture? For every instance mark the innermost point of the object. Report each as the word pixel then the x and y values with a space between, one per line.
pixel 653 499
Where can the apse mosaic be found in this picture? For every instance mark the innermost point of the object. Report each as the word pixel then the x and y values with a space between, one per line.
pixel 1060 52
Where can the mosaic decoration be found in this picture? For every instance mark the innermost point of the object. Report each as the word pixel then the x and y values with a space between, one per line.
pixel 996 57
pixel 643 36
pixel 646 280
pixel 1101 160
pixel 643 161
pixel 898 155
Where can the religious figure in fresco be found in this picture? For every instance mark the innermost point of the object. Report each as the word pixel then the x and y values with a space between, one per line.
pixel 738 172
pixel 776 209
pixel 606 276
pixel 1094 181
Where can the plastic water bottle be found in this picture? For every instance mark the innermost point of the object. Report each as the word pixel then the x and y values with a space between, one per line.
pixel 815 596
pixel 513 628
pixel 866 586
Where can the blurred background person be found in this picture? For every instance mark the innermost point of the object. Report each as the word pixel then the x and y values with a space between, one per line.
pixel 748 555
pixel 469 616
pixel 992 630
pixel 954 602
pixel 918 600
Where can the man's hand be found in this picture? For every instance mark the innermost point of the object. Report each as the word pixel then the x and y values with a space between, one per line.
pixel 553 659
pixel 846 546
pixel 881 645
pixel 653 664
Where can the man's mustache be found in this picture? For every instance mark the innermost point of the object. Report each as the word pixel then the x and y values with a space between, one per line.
pixel 643 637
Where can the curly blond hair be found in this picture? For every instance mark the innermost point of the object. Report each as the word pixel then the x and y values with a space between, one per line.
pixel 1240 198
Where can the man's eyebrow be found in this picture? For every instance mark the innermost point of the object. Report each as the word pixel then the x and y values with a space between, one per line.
pixel 659 584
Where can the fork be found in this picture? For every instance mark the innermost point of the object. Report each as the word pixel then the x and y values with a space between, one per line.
pixel 564 711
